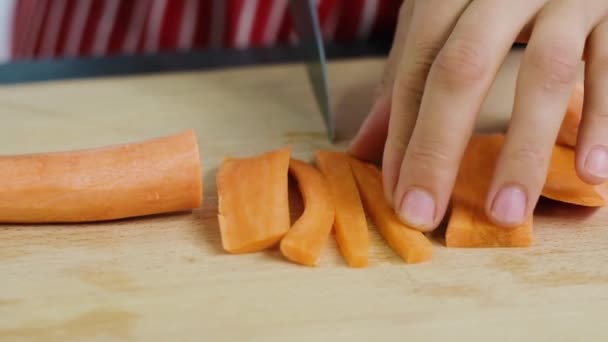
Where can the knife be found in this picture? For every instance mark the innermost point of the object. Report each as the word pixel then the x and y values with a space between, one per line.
pixel 306 23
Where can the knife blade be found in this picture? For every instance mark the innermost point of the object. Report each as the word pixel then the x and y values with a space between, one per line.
pixel 306 23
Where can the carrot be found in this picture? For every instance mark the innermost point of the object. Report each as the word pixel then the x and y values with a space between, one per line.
pixel 563 183
pixel 569 129
pixel 303 242
pixel 411 244
pixel 468 224
pixel 253 201
pixel 150 177
pixel 350 221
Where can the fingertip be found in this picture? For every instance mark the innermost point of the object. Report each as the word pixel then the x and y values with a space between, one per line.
pixel 508 208
pixel 592 166
pixel 418 210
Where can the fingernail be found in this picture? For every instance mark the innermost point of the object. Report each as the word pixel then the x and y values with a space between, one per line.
pixel 509 206
pixel 418 208
pixel 597 162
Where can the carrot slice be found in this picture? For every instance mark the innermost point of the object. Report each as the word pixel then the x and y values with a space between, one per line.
pixel 304 241
pixel 569 128
pixel 350 221
pixel 468 225
pixel 412 245
pixel 253 201
pixel 113 182
pixel 563 183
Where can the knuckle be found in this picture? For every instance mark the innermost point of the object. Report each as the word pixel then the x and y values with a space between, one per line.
pixel 411 90
pixel 529 157
pixel 426 51
pixel 463 62
pixel 414 75
pixel 428 154
pixel 555 63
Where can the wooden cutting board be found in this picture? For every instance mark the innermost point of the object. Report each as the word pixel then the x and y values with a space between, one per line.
pixel 166 278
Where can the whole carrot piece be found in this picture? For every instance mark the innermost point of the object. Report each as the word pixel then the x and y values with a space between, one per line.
pixel 127 180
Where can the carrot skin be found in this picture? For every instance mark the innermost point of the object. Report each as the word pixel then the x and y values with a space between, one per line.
pixel 155 176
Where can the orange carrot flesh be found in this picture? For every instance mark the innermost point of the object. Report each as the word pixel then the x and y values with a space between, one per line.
pixel 468 225
pixel 156 176
pixel 569 129
pixel 305 239
pixel 253 201
pixel 563 183
pixel 410 244
pixel 350 221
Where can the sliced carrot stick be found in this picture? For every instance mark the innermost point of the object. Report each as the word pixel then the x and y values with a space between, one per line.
pixel 150 177
pixel 569 129
pixel 563 183
pixel 305 239
pixel 468 225
pixel 253 201
pixel 350 222
pixel 412 245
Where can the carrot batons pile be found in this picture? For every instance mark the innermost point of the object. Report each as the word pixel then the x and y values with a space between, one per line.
pixel 337 193
pixel 342 191
pixel 150 177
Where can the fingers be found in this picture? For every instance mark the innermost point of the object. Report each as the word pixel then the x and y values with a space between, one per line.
pixel 592 144
pixel 458 82
pixel 546 79
pixel 432 22
pixel 368 143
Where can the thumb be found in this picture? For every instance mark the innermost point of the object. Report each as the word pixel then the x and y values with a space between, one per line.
pixel 369 142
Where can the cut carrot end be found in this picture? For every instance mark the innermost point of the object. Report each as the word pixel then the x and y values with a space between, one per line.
pixel 350 221
pixel 304 241
pixel 154 176
pixel 410 244
pixel 295 252
pixel 469 225
pixel 253 201
pixel 563 183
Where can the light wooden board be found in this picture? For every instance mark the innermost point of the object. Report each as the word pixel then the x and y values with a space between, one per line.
pixel 166 278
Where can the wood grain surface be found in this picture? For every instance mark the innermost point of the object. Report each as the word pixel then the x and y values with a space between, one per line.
pixel 165 278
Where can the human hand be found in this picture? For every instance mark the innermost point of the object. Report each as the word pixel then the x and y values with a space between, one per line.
pixel 444 59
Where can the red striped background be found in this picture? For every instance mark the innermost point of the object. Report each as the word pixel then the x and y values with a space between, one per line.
pixel 62 28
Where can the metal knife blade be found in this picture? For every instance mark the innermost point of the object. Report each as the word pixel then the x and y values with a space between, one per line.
pixel 306 22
